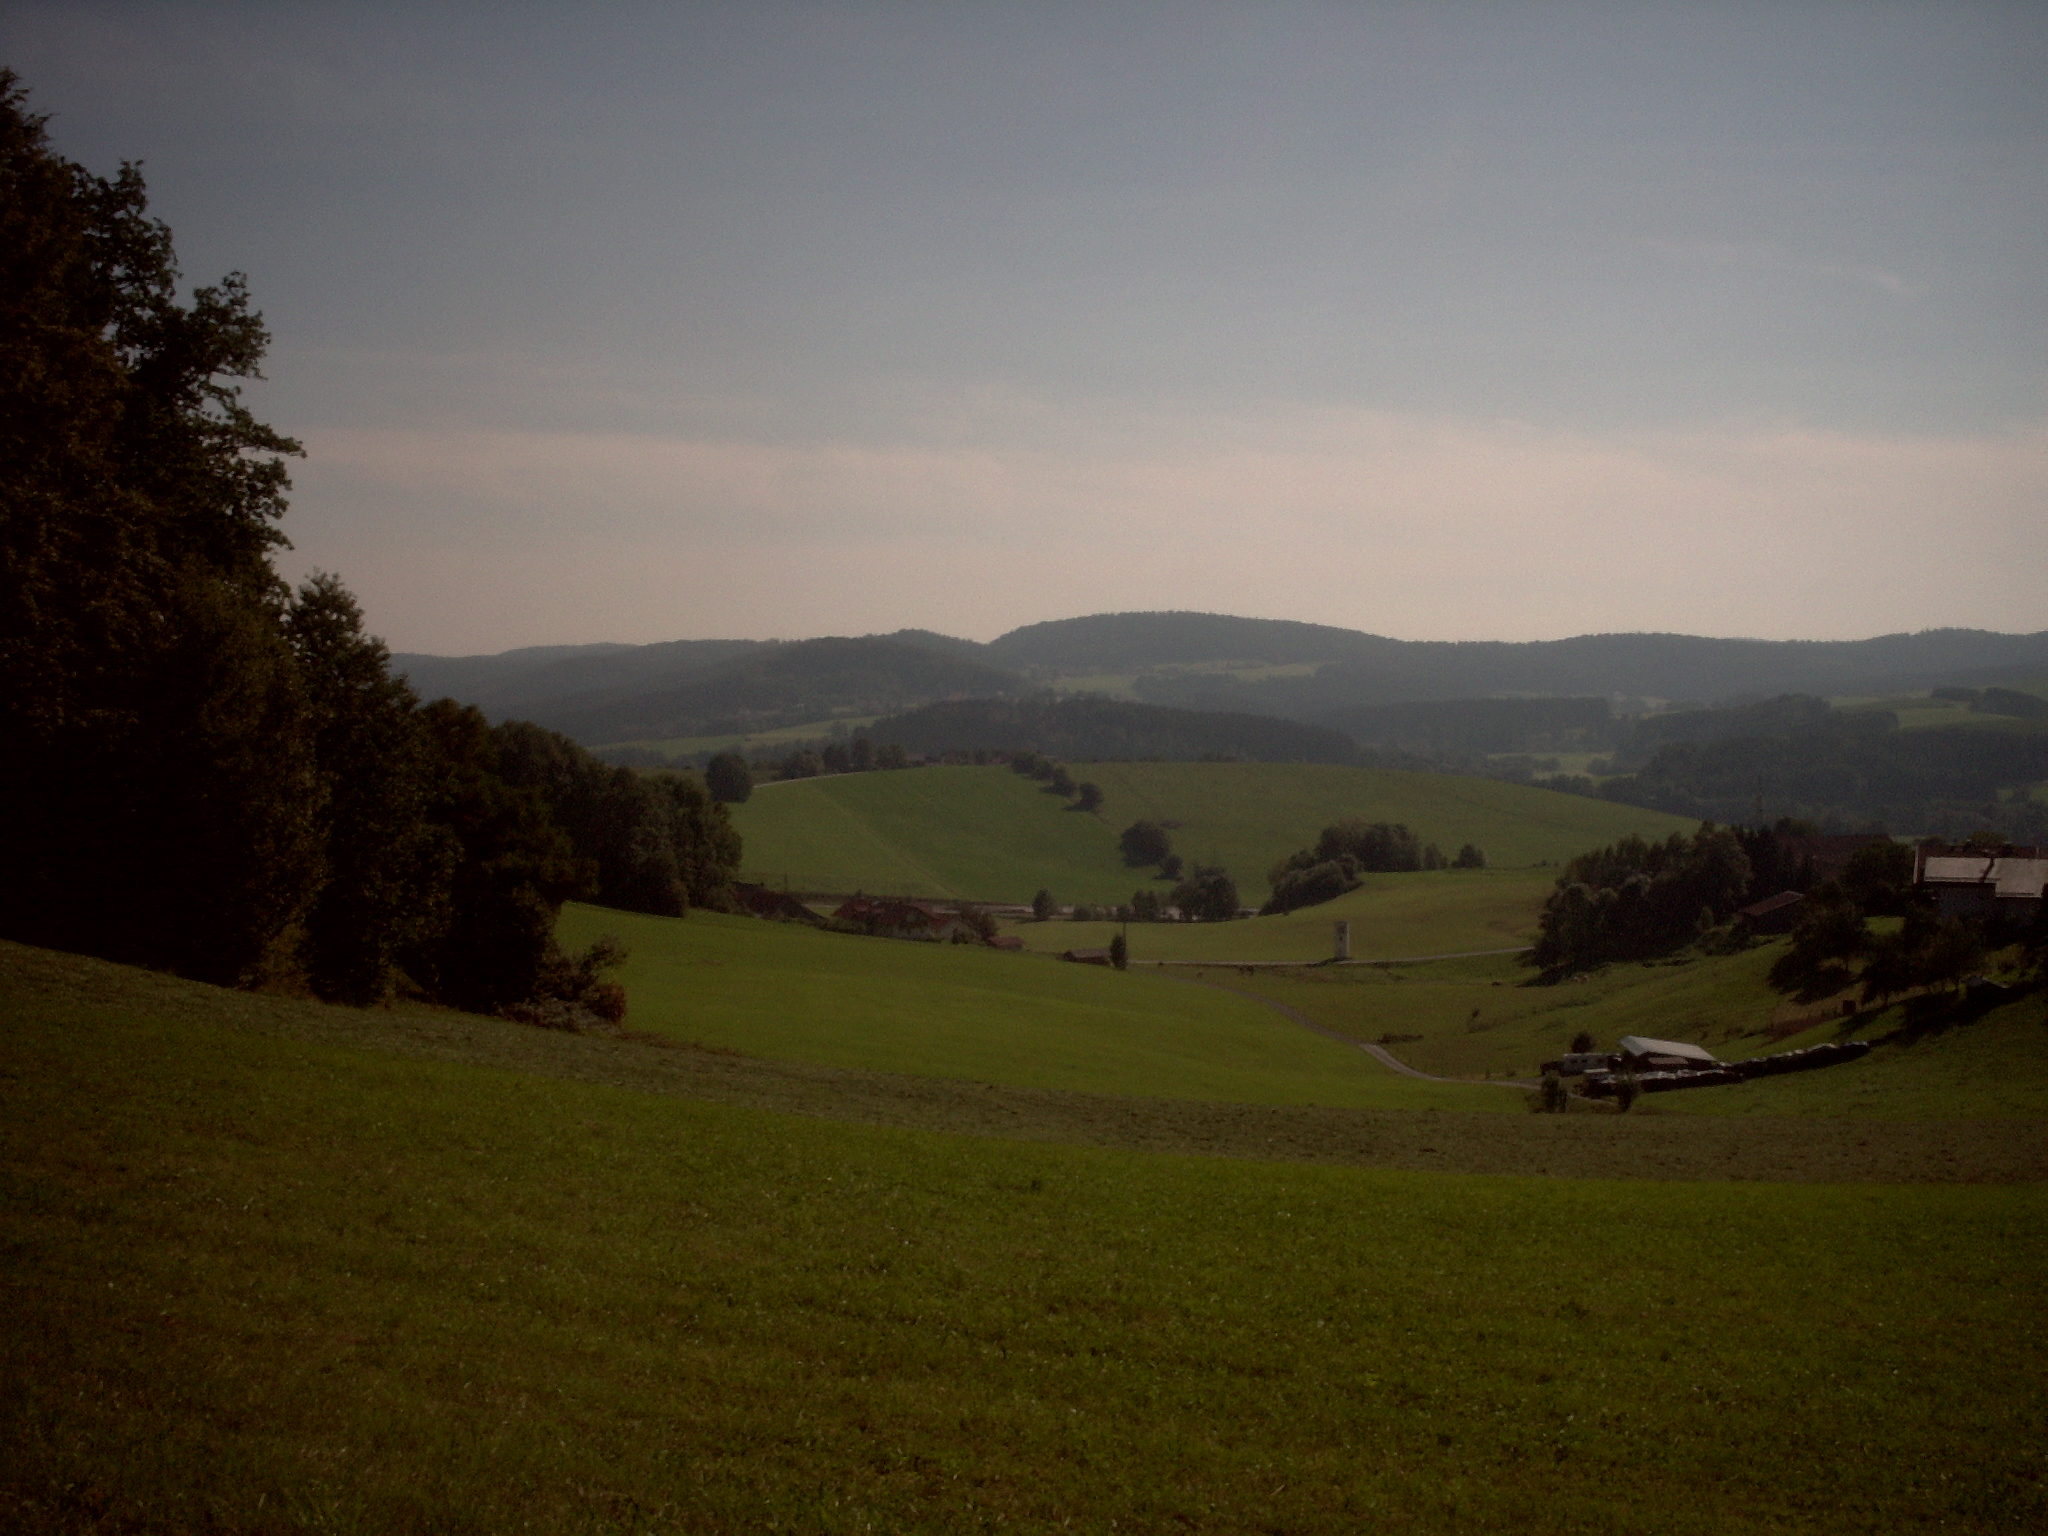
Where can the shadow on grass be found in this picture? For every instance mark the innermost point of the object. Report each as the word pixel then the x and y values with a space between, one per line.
pixel 1936 1013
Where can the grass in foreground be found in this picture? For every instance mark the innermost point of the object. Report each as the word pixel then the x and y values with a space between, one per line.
pixel 255 1283
pixel 986 834
pixel 793 994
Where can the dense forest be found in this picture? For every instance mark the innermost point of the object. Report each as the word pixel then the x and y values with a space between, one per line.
pixel 1852 771
pixel 209 772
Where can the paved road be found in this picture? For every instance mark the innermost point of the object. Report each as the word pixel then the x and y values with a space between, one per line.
pixel 1378 1053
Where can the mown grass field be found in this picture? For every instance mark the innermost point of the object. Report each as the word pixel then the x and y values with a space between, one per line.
pixel 787 736
pixel 988 834
pixel 1437 912
pixel 260 1282
pixel 791 993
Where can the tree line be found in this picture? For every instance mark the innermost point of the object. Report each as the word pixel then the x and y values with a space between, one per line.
pixel 207 771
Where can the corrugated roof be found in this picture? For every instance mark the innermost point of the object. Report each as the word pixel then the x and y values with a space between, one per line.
pixel 1642 1045
pixel 2011 877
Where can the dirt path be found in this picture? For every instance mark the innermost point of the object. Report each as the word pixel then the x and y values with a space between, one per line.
pixel 1378 1053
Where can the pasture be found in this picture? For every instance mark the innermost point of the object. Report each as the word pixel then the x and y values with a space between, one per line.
pixel 1433 912
pixel 987 834
pixel 790 993
pixel 273 1266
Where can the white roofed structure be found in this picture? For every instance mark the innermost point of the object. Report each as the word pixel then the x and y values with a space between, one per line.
pixel 1639 1046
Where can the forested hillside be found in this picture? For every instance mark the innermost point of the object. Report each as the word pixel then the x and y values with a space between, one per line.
pixel 1090 728
pixel 207 771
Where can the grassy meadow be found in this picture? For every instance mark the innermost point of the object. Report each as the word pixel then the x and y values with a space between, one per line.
pixel 790 993
pixel 988 834
pixel 1434 912
pixel 265 1275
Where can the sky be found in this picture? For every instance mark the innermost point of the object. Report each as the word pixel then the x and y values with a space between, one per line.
pixel 636 323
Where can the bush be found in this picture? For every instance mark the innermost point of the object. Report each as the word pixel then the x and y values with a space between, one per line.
pixel 1312 886
pixel 1119 953
pixel 1087 796
pixel 729 779
pixel 1208 895
pixel 1471 856
pixel 1043 906
pixel 1553 1098
pixel 1144 842
pixel 1582 1042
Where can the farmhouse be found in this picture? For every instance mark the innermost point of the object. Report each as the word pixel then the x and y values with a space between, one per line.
pixel 1645 1055
pixel 889 919
pixel 2004 886
pixel 1774 914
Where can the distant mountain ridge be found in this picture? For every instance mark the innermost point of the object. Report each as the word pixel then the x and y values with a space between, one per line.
pixel 601 694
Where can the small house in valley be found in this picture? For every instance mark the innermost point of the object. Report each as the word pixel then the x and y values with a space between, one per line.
pixel 890 919
pixel 2002 887
pixel 1642 1054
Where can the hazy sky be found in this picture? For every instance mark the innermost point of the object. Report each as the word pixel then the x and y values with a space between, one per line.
pixel 1451 322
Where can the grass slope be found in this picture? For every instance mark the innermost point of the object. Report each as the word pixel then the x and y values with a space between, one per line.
pixel 1453 911
pixel 790 993
pixel 985 833
pixel 1476 1017
pixel 256 1283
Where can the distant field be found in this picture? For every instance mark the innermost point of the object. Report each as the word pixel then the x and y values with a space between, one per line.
pixel 1392 916
pixel 988 834
pixel 790 993
pixel 1921 712
pixel 261 1281
pixel 784 736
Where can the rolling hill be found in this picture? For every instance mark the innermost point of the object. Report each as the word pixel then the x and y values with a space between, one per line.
pixel 989 834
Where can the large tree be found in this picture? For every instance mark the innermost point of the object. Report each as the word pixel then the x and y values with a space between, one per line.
pixel 161 789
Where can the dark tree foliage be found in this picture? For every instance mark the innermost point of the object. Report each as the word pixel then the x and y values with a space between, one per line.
pixel 1043 906
pixel 802 764
pixel 1144 906
pixel 1829 936
pixel 1471 856
pixel 1636 899
pixel 1879 879
pixel 513 871
pixel 388 869
pixel 1087 796
pixel 1061 782
pixel 1208 895
pixel 1144 842
pixel 1853 770
pixel 161 791
pixel 1343 851
pixel 729 779
pixel 659 843
pixel 836 758
pixel 206 772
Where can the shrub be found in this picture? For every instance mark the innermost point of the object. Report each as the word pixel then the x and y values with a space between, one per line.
pixel 1626 1088
pixel 1042 905
pixel 1144 842
pixel 729 779
pixel 1471 856
pixel 1119 952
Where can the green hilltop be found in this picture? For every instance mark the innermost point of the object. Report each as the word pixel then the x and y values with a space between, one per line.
pixel 989 834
